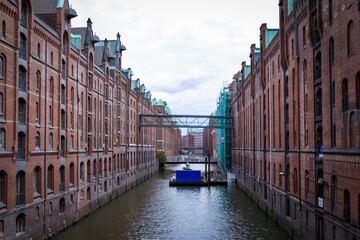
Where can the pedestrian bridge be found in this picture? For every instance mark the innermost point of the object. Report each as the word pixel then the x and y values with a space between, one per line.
pixel 190 158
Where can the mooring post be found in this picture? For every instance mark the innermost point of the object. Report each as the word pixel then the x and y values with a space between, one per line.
pixel 209 167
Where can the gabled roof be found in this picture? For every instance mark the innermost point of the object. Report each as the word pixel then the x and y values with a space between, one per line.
pixel 46 6
pixel 247 70
pixel 135 84
pixel 76 40
pixel 269 36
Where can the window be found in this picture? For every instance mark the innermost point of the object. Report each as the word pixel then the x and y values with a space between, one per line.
pixel 63 119
pixel 38 80
pixel 62 205
pixel 345 98
pixel 1 103
pixel 50 114
pixel 21 146
pixel 330 12
pixel 38 50
pixel 63 94
pixel 72 142
pixel 51 58
pixel 350 38
pixel 72 174
pixel 105 168
pixel 334 136
pixel 94 169
pixel 3 188
pixel 331 51
pixel 347 206
pixel 318 66
pixel 352 130
pixel 81 171
pixel 22 50
pixel 50 179
pixel 72 70
pixel 306 184
pixel 51 141
pixel 23 14
pixel 62 153
pixel 319 139
pixel 20 223
pixel 22 110
pixel 22 78
pixel 37 182
pixel 333 193
pixel 3 29
pixel 304 35
pixel 51 88
pixel 295 182
pixel 37 141
pixel 72 95
pixel 318 102
pixel 2 138
pixel 100 168
pixel 37 112
pixel 2 67
pixel 63 69
pixel 88 170
pixel 357 90
pixel 62 179
pixel 20 188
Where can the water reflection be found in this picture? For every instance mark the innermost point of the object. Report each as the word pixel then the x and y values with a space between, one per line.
pixel 153 210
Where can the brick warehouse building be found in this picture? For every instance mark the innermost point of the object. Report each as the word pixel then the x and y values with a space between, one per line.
pixel 296 108
pixel 69 134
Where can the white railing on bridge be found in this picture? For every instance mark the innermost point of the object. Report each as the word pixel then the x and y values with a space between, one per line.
pixel 191 158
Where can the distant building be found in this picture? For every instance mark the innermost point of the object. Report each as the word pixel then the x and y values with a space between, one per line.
pixel 198 142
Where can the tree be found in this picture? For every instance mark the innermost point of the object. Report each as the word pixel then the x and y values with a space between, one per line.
pixel 161 156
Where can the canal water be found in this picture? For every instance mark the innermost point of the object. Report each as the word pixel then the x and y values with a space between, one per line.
pixel 153 210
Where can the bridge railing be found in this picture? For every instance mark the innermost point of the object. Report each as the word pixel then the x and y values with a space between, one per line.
pixel 189 158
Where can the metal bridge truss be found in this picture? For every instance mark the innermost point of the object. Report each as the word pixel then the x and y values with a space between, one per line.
pixel 185 121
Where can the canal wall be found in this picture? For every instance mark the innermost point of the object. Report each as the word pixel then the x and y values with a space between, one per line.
pixel 299 219
pixel 102 191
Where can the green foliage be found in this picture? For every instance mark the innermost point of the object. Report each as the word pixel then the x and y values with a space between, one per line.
pixel 161 156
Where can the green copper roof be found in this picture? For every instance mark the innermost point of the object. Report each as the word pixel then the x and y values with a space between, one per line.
pixel 142 88
pixel 167 109
pixel 148 95
pixel 290 6
pixel 153 101
pixel 247 70
pixel 257 50
pixel 135 84
pixel 127 71
pixel 160 103
pixel 75 40
pixel 60 4
pixel 269 36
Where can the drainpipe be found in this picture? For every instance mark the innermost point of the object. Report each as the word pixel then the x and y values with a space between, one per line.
pixel 270 125
pixel 45 157
pixel 298 105
pixel 77 126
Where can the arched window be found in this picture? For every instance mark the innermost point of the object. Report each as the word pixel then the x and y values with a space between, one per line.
pixel 357 90
pixel 345 97
pixel 37 140
pixel 24 14
pixel 21 146
pixel 22 111
pixel 317 67
pixel 38 50
pixel 50 179
pixel 347 205
pixel 72 174
pixel 38 80
pixel 306 184
pixel 63 119
pixel 1 103
pixel 350 38
pixel 63 69
pixel 3 29
pixel 51 141
pixel 20 223
pixel 88 170
pixel 331 51
pixel 20 188
pixel 3 187
pixel 62 205
pixel 62 143
pixel 94 169
pixel 51 88
pixel 37 181
pixel 318 102
pixel 22 50
pixel 81 171
pixel 333 193
pixel 63 94
pixel 52 58
pixel 62 179
pixel 2 67
pixel 100 168
pixel 22 78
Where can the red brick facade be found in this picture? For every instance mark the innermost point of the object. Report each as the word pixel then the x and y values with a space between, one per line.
pixel 69 134
pixel 296 108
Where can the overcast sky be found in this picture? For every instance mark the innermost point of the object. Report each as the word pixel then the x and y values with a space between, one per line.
pixel 182 50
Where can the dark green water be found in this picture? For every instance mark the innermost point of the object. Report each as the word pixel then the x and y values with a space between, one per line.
pixel 153 210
